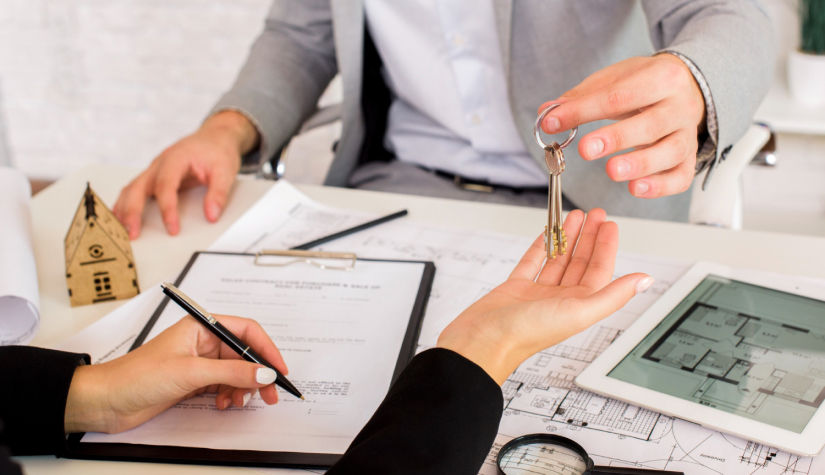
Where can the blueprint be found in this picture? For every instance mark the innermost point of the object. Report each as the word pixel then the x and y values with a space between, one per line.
pixel 541 395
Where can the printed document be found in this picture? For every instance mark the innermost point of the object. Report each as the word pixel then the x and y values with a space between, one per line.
pixel 339 331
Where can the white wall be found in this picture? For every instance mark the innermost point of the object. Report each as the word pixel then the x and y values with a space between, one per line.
pixel 114 81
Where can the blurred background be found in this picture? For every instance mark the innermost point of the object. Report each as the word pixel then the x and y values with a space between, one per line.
pixel 86 82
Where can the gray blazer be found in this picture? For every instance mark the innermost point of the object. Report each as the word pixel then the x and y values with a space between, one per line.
pixel 547 46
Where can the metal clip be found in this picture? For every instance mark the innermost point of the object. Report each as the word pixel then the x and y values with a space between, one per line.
pixel 307 258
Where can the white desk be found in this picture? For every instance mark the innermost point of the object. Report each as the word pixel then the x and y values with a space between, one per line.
pixel 159 256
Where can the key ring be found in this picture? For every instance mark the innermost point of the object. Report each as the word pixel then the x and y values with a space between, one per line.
pixel 537 130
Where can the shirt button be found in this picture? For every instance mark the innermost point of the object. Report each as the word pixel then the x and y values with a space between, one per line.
pixel 458 41
pixel 476 119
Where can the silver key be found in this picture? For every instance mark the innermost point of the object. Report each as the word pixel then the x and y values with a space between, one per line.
pixel 555 241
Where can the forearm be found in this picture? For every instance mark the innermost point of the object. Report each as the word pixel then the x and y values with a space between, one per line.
pixel 440 417
pixel 33 408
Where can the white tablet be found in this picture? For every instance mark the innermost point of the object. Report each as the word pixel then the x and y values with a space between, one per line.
pixel 739 351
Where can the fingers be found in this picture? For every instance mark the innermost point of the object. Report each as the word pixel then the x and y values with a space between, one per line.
pixel 166 189
pixel 530 264
pixel 253 335
pixel 129 206
pixel 640 129
pixel 667 153
pixel 584 248
pixel 599 270
pixel 217 194
pixel 613 297
pixel 671 182
pixel 204 372
pixel 554 268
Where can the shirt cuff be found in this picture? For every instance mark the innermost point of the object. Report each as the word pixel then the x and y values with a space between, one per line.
pixel 706 154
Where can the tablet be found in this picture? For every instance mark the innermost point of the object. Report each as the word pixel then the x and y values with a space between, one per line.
pixel 738 351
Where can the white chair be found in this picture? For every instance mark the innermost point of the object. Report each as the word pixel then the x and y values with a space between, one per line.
pixel 721 202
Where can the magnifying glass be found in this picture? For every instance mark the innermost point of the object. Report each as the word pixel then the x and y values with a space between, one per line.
pixel 547 454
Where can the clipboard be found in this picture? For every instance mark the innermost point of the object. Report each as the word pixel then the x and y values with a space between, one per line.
pixel 258 458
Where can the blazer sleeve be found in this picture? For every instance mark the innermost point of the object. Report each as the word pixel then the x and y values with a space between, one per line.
pixel 33 401
pixel 731 44
pixel 440 417
pixel 288 68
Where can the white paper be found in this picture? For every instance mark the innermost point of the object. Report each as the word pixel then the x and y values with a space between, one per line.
pixel 19 293
pixel 339 332
pixel 469 264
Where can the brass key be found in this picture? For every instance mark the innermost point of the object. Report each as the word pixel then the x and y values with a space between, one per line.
pixel 555 241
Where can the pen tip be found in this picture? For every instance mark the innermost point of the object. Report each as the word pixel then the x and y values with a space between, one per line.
pixel 303 398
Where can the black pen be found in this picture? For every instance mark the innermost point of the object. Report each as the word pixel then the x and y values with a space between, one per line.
pixel 347 232
pixel 225 335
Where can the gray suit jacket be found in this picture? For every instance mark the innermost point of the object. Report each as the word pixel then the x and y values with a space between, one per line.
pixel 547 46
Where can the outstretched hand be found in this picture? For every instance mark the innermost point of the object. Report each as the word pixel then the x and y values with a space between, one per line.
pixel 659 109
pixel 183 361
pixel 538 307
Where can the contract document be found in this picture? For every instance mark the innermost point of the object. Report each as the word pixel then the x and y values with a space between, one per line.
pixel 342 334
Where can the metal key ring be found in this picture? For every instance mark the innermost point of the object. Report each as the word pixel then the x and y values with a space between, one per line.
pixel 537 129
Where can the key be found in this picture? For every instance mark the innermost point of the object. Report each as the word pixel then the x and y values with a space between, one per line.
pixel 555 241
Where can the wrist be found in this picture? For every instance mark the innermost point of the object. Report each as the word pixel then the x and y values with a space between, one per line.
pixel 233 129
pixel 86 408
pixel 496 358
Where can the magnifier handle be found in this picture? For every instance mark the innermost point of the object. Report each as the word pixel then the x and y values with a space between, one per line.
pixel 599 470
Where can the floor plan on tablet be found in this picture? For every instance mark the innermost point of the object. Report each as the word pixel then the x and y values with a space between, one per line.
pixel 740 348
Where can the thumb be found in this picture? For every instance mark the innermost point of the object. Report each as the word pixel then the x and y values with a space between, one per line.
pixel 236 373
pixel 617 293
pixel 217 194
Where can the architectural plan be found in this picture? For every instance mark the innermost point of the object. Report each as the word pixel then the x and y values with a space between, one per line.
pixel 541 395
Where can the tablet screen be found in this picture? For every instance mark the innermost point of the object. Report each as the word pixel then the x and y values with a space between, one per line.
pixel 740 348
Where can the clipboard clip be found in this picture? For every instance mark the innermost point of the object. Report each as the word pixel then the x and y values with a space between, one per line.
pixel 307 257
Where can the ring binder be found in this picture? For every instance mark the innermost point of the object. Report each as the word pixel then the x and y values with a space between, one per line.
pixel 306 257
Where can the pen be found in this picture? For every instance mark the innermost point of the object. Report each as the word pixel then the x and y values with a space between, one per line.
pixel 225 335
pixel 347 232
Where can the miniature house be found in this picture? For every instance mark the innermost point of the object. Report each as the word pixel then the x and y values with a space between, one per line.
pixel 99 261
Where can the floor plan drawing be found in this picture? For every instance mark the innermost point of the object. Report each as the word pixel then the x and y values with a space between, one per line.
pixel 745 359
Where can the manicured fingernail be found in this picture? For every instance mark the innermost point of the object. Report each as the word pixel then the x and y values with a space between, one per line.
pixel 246 398
pixel 642 188
pixel 213 211
pixel 551 124
pixel 622 168
pixel 266 376
pixel 643 284
pixel 595 147
pixel 226 403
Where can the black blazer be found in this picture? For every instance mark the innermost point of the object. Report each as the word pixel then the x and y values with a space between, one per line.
pixel 440 416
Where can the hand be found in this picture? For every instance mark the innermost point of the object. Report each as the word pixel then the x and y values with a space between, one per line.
pixel 211 156
pixel 183 361
pixel 526 314
pixel 660 111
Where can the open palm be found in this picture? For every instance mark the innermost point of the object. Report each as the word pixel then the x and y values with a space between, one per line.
pixel 540 306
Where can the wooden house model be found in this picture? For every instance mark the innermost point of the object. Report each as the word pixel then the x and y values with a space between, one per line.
pixel 99 261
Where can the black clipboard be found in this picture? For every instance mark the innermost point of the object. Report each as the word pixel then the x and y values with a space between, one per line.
pixel 246 458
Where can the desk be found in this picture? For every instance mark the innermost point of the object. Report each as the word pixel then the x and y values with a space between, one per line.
pixel 160 256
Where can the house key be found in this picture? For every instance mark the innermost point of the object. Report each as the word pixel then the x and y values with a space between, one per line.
pixel 555 241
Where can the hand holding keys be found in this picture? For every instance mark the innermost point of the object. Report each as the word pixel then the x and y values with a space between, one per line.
pixel 555 241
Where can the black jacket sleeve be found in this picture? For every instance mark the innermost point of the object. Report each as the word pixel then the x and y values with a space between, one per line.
pixel 440 417
pixel 35 384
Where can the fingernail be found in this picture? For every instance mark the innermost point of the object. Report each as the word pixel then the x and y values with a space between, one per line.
pixel 644 284
pixel 595 147
pixel 642 188
pixel 551 124
pixel 226 403
pixel 213 211
pixel 171 228
pixel 246 398
pixel 622 168
pixel 266 376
